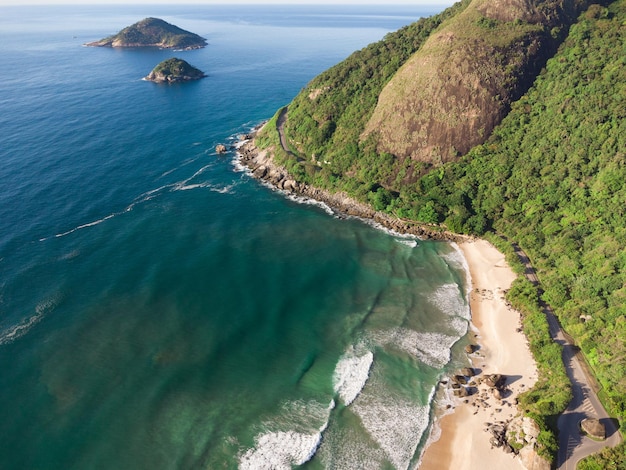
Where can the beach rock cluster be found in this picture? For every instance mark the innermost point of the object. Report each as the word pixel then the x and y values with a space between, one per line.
pixel 518 436
pixel 262 166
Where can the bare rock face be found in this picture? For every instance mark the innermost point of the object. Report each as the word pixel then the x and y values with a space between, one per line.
pixel 449 96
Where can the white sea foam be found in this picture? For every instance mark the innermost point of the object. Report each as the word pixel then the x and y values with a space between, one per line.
pixel 395 423
pixel 283 449
pixel 407 241
pixel 456 258
pixel 183 185
pixel 80 227
pixel 449 300
pixel 430 348
pixel 351 374
pixel 308 201
pixel 344 449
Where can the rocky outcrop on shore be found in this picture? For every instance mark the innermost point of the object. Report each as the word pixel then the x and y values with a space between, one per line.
pixel 517 435
pixel 262 166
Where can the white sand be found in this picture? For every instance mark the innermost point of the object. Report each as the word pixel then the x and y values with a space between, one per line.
pixel 464 443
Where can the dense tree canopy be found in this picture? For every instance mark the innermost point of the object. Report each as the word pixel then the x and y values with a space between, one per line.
pixel 551 177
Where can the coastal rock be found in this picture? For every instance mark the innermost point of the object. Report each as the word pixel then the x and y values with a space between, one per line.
pixel 253 158
pixel 531 460
pixel 461 392
pixel 468 372
pixel 461 379
pixel 471 348
pixel 174 71
pixel 521 433
pixel 495 380
pixel 220 148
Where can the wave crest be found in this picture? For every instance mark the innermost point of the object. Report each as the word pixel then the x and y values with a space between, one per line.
pixel 351 374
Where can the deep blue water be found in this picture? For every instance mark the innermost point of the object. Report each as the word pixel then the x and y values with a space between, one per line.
pixel 161 309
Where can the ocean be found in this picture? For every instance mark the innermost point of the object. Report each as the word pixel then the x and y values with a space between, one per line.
pixel 160 308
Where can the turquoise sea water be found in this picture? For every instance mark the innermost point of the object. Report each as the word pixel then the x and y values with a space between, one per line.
pixel 161 309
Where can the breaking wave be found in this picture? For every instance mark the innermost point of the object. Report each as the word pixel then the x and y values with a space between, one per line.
pixel 396 424
pixel 449 300
pixel 351 374
pixel 281 450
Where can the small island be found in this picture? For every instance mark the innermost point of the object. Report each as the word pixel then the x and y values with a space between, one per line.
pixel 174 71
pixel 152 32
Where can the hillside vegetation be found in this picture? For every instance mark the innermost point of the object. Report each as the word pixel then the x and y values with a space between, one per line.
pixel 424 95
pixel 551 176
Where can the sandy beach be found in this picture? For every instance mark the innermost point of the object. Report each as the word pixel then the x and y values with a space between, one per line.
pixel 464 443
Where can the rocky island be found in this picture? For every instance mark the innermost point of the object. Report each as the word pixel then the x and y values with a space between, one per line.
pixel 152 32
pixel 174 71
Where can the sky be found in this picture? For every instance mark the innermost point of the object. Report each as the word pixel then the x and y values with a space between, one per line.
pixel 208 2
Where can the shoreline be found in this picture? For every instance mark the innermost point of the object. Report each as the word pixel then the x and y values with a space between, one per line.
pixel 262 167
pixel 466 440
pixel 465 433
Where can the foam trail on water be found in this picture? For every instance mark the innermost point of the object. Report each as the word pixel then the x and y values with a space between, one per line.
pixel 80 227
pixel 149 195
pixel 14 332
pixel 351 374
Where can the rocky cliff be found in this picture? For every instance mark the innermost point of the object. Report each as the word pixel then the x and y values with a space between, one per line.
pixel 450 95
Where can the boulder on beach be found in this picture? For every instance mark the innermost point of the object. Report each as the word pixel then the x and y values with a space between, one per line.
pixel 495 380
pixel 461 379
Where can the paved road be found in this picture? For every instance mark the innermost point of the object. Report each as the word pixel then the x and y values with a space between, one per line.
pixel 280 126
pixel 585 403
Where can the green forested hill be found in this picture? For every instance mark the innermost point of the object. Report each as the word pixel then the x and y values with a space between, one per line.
pixel 552 177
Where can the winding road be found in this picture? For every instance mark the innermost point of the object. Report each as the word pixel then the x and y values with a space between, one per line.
pixel 573 446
